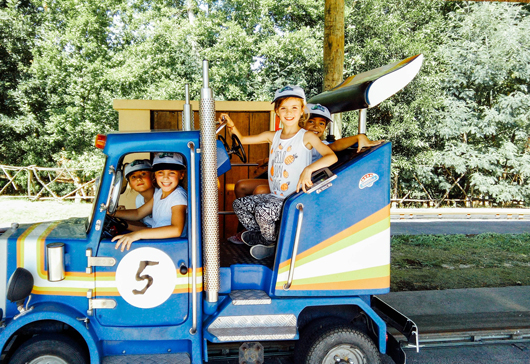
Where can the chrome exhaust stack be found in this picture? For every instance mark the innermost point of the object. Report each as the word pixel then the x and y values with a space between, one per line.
pixel 210 204
pixel 187 112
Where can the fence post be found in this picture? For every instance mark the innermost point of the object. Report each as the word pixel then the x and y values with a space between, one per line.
pixel 30 181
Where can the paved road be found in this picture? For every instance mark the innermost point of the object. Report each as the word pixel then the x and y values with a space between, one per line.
pixel 484 354
pixel 417 227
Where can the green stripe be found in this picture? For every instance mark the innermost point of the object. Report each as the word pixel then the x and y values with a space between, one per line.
pixel 367 273
pixel 344 243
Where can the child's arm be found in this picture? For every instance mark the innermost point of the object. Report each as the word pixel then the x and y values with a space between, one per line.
pixel 265 137
pixel 328 158
pixel 360 139
pixel 136 214
pixel 178 219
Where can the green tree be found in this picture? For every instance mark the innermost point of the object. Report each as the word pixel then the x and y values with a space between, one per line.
pixel 64 100
pixel 484 124
pixel 380 32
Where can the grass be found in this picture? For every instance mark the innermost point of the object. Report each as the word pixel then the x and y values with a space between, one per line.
pixel 24 211
pixel 433 262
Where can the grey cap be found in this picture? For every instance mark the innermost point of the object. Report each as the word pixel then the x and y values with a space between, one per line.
pixel 319 110
pixel 289 91
pixel 137 165
pixel 165 160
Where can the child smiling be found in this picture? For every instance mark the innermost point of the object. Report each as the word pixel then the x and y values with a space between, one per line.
pixel 290 169
pixel 168 205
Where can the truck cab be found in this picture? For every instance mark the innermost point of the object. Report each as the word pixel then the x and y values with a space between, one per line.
pixel 68 296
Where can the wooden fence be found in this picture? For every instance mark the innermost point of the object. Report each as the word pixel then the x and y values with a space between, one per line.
pixel 40 180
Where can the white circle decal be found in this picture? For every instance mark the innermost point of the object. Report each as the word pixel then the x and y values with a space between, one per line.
pixel 146 277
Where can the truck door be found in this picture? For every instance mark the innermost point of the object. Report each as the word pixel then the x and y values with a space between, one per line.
pixel 148 283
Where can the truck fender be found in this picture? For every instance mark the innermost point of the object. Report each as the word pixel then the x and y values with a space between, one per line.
pixel 56 312
pixel 361 306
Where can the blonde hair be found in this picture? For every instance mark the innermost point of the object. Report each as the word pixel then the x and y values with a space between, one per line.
pixel 305 114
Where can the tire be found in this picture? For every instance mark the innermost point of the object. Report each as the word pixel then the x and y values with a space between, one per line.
pixel 307 333
pixel 52 349
pixel 338 343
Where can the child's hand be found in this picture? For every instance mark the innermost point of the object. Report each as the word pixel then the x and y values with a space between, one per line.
pixel 363 141
pixel 125 240
pixel 305 180
pixel 229 123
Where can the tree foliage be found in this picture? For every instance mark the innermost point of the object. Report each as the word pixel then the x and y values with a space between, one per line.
pixel 483 127
pixel 460 129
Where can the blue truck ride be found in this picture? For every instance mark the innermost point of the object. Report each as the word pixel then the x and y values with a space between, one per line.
pixel 67 296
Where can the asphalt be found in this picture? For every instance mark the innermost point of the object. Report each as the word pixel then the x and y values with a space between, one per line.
pixel 468 309
pixel 465 227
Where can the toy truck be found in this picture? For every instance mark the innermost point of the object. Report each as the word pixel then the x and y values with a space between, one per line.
pixel 68 296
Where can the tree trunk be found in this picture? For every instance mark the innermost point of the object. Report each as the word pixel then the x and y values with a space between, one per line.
pixel 333 43
pixel 334 53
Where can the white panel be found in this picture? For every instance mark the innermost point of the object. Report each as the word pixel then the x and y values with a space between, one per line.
pixel 371 252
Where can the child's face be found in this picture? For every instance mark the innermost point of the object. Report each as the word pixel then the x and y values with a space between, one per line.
pixel 168 179
pixel 140 181
pixel 290 111
pixel 316 125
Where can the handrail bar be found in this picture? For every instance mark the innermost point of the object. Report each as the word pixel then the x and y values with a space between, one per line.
pixel 290 277
pixel 193 223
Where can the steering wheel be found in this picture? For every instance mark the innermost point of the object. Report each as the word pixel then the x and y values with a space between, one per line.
pixel 225 144
pixel 113 226
pixel 237 147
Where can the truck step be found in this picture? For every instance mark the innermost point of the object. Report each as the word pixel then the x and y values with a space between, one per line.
pixel 259 327
pixel 180 358
pixel 246 297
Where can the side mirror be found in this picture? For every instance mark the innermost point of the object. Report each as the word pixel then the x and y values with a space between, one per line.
pixel 19 288
pixel 115 190
pixel 20 285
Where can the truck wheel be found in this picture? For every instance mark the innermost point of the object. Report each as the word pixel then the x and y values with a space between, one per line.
pixel 340 343
pixel 49 349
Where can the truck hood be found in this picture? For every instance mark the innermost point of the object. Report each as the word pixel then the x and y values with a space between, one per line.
pixel 72 228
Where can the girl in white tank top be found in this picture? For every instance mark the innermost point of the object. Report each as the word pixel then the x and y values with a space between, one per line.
pixel 287 160
pixel 290 169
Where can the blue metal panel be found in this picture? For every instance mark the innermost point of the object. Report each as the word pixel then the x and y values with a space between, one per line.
pixel 173 311
pixel 250 276
pixel 333 211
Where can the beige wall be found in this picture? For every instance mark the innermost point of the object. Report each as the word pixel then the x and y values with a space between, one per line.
pixel 135 115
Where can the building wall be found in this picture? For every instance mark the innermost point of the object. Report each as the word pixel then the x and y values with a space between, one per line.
pixel 249 117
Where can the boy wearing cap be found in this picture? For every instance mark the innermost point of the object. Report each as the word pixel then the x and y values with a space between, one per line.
pixel 168 205
pixel 138 173
pixel 319 119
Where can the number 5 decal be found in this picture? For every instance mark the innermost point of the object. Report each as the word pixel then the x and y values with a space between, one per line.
pixel 143 264
pixel 146 277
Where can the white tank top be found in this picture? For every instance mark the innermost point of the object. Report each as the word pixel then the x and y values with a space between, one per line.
pixel 287 160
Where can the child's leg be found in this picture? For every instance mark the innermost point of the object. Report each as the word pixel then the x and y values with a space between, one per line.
pixel 244 208
pixel 267 213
